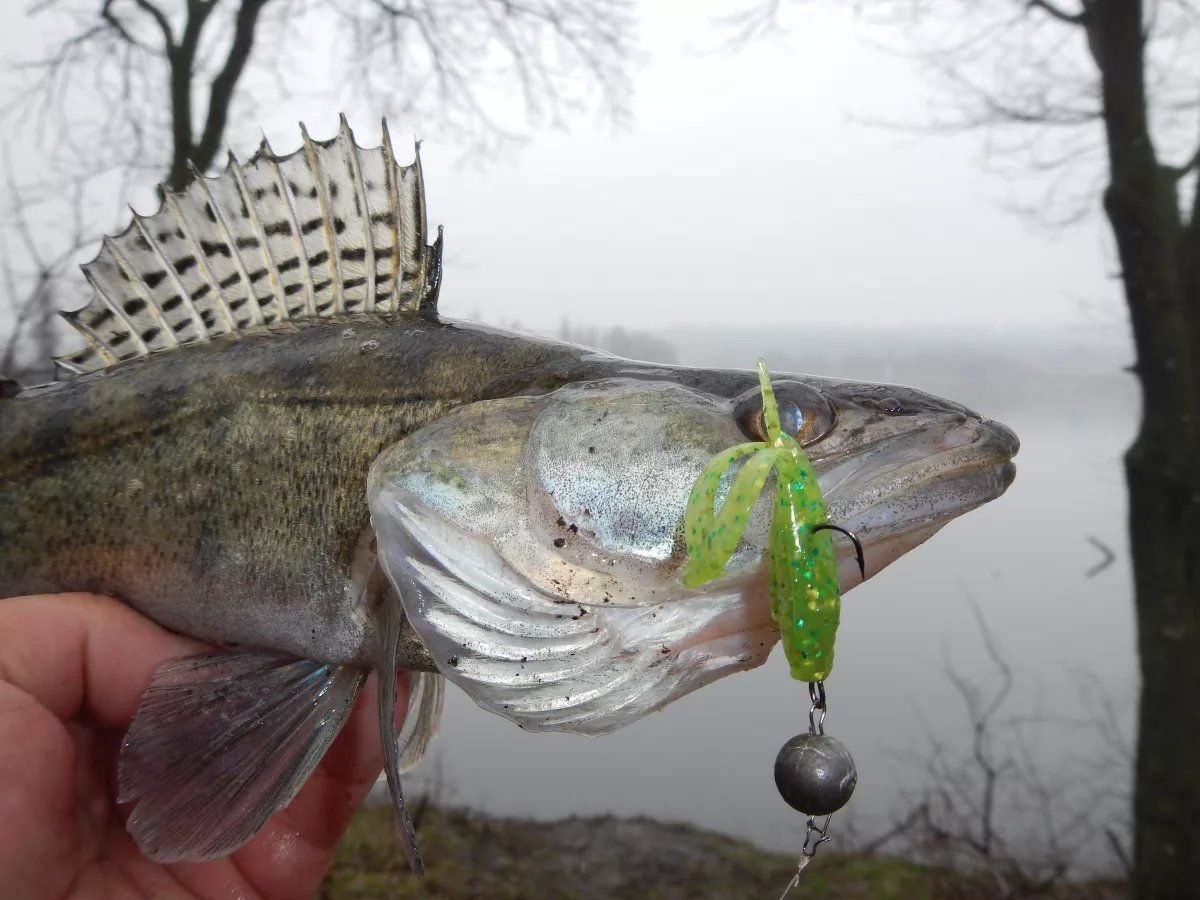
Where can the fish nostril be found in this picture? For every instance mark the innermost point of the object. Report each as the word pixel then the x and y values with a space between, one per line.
pixel 966 411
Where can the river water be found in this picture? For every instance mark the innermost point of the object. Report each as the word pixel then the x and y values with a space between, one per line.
pixel 1021 565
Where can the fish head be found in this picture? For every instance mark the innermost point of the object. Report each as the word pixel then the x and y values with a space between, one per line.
pixel 537 540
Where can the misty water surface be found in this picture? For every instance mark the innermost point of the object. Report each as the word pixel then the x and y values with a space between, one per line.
pixel 1022 560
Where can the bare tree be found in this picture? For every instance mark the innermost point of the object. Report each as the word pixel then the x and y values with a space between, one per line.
pixel 32 276
pixel 1101 97
pixel 152 87
pixel 995 806
pixel 143 64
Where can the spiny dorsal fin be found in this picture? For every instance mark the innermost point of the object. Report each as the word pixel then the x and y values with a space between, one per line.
pixel 329 229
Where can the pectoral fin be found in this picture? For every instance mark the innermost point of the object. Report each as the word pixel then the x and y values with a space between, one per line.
pixel 222 741
pixel 427 693
pixel 390 619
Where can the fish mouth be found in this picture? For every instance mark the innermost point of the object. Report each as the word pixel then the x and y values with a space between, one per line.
pixel 896 495
pixel 892 497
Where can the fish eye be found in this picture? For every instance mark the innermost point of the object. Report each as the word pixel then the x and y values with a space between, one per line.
pixel 803 413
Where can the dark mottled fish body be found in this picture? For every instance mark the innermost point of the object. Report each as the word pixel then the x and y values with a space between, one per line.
pixel 271 442
pixel 221 489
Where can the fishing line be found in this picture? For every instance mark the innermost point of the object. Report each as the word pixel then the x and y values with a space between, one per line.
pixel 814 772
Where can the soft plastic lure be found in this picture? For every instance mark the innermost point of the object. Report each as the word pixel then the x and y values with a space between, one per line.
pixel 805 597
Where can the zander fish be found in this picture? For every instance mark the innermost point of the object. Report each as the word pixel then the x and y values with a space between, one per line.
pixel 271 441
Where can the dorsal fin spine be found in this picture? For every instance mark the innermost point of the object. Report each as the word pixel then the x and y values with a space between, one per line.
pixel 316 233
pixel 419 216
pixel 433 278
pixel 322 186
pixel 170 203
pixel 261 234
pixel 69 366
pixel 310 301
pixel 75 318
pixel 197 322
pixel 360 194
pixel 393 188
pixel 113 304
pixel 227 236
pixel 134 278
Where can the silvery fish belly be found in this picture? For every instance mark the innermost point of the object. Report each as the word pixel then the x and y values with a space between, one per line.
pixel 536 540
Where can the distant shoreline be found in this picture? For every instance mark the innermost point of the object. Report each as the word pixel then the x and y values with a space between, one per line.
pixel 470 854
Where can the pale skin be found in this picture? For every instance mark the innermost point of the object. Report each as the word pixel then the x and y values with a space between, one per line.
pixel 72 669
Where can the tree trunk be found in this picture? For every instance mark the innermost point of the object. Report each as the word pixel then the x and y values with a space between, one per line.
pixel 1164 518
pixel 181 61
pixel 1163 465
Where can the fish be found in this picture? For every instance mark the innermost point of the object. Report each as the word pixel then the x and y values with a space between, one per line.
pixel 271 441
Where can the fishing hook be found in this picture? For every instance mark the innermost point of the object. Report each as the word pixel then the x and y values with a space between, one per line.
pixel 858 550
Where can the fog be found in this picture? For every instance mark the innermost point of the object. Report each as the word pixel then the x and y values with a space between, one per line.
pixel 745 210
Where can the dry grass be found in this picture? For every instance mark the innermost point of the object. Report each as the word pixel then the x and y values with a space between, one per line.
pixel 472 855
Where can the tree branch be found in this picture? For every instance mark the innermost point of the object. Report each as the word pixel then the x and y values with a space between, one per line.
pixel 160 19
pixel 132 87
pixel 1079 18
pixel 1184 168
pixel 182 59
pixel 991 804
pixel 107 14
pixel 456 46
pixel 223 86
pixel 32 305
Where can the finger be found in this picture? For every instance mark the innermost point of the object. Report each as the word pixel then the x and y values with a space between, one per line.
pixel 67 654
pixel 83 653
pixel 37 772
pixel 61 656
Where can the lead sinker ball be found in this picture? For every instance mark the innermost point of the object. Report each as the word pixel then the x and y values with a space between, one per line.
pixel 815 774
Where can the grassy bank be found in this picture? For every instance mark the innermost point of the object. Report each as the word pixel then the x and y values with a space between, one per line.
pixel 472 855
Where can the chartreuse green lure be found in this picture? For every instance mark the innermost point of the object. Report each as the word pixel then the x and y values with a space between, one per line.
pixel 805 598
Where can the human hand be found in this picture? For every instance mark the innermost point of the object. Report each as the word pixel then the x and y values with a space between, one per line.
pixel 72 670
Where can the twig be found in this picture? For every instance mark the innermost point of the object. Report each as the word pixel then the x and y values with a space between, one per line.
pixel 1108 560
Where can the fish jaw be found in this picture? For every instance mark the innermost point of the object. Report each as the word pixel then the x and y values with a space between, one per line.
pixel 897 494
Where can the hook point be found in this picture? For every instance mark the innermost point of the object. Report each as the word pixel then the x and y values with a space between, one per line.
pixel 858 548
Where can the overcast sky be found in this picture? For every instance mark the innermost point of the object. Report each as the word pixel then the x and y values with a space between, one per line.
pixel 741 192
